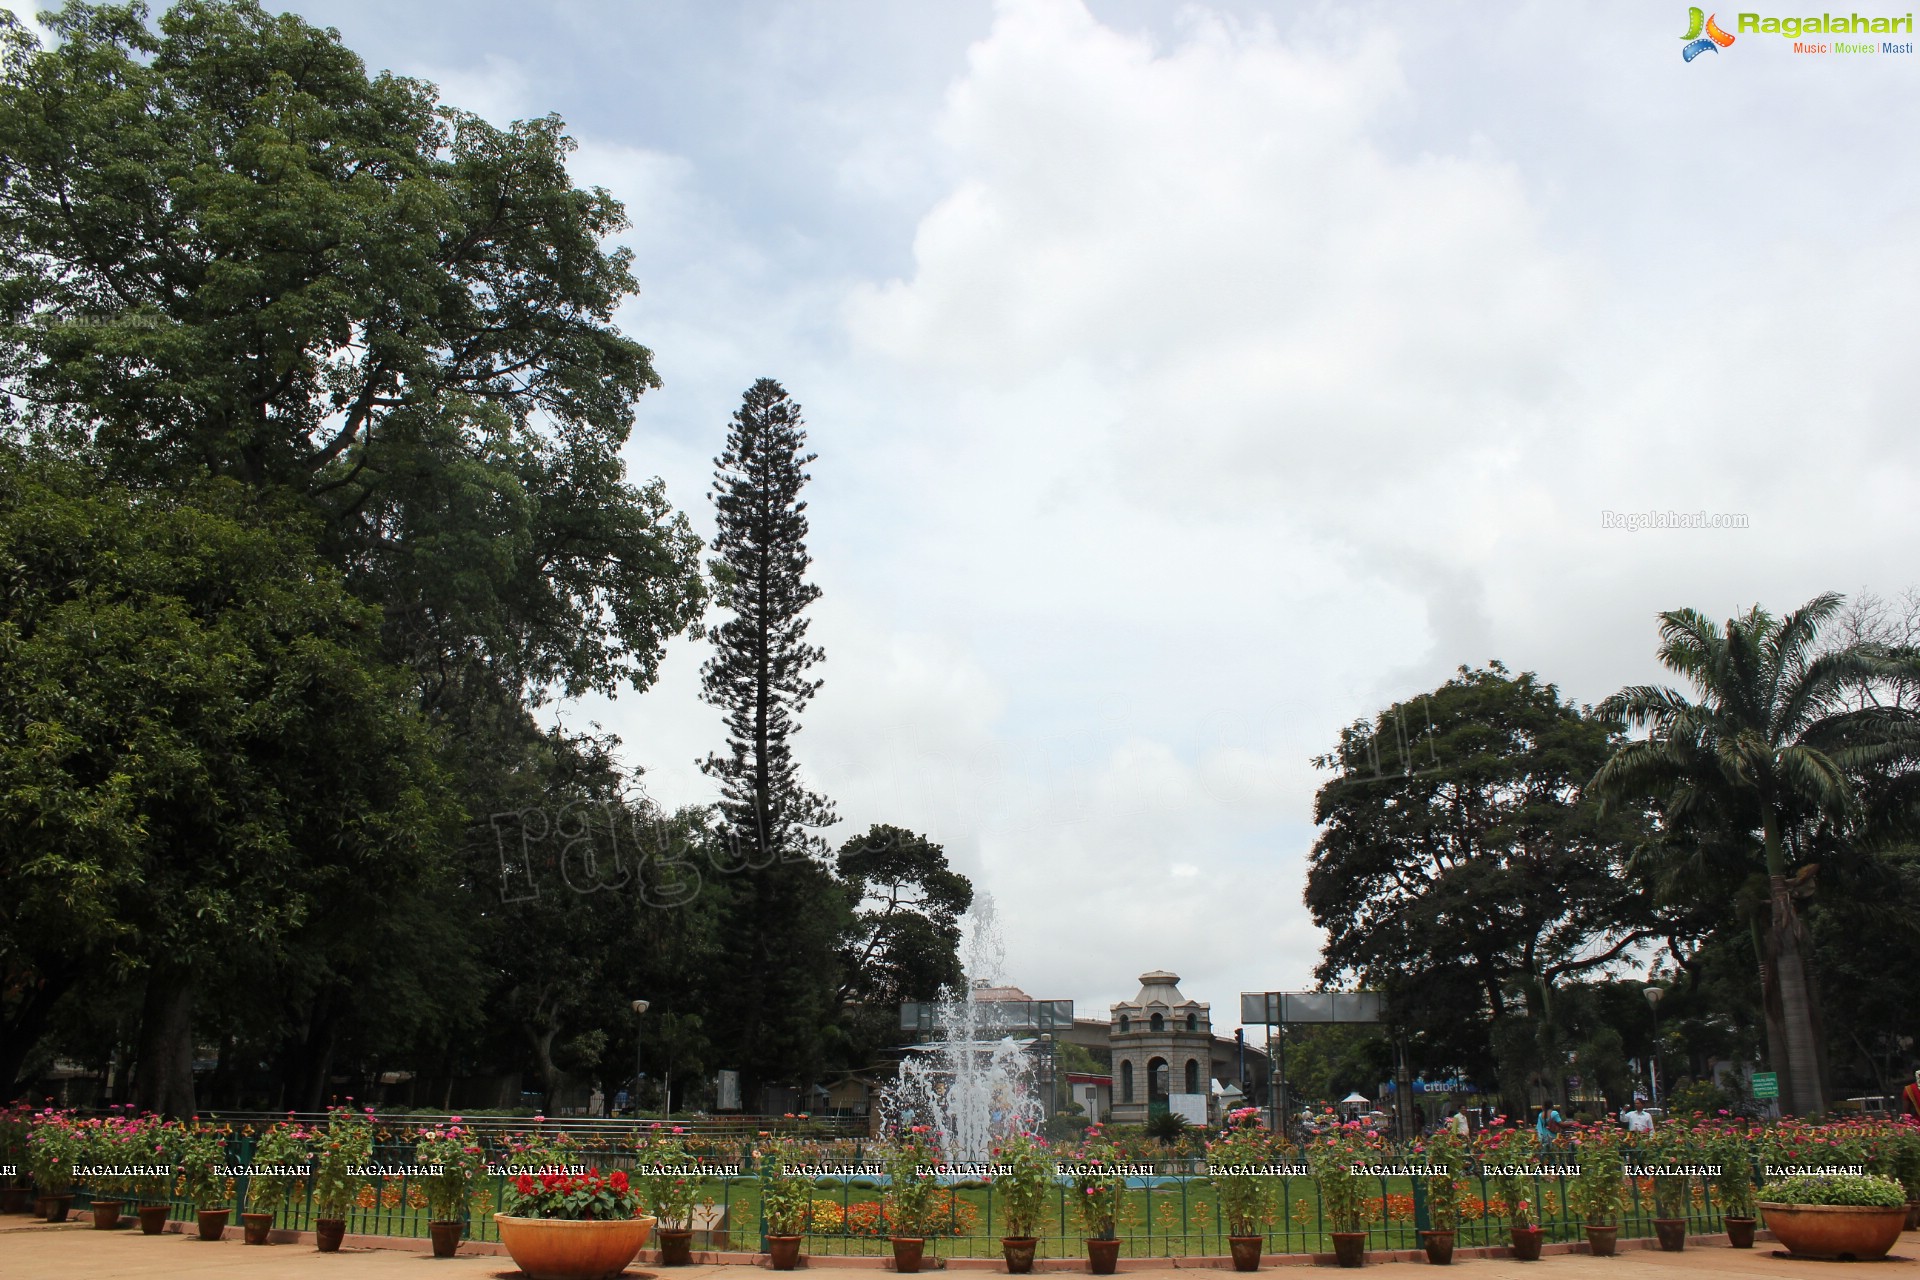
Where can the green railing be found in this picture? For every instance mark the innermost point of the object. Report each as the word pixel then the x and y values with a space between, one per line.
pixel 1170 1215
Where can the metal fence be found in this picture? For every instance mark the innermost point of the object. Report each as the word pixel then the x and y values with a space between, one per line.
pixel 1172 1214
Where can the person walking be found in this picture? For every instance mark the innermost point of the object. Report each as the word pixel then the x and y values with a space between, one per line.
pixel 1547 1126
pixel 1638 1120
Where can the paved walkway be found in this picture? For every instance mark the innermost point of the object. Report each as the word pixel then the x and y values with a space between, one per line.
pixel 37 1251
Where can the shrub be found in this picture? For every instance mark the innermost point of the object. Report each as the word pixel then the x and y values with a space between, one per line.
pixel 1237 1164
pixel 280 1162
pixel 1447 1185
pixel 1844 1189
pixel 344 1146
pixel 1023 1183
pixel 591 1196
pixel 784 1203
pixel 666 1174
pixel 1598 1193
pixel 456 1153
pixel 909 1201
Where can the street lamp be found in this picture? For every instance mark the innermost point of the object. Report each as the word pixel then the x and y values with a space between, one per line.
pixel 639 1008
pixel 1654 995
pixel 1048 1091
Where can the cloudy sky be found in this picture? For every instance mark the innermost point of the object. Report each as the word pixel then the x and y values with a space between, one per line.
pixel 1189 380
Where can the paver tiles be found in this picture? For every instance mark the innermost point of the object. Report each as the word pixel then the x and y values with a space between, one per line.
pixel 30 1251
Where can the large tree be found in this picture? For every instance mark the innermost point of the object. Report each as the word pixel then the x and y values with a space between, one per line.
pixel 226 249
pixel 790 914
pixel 904 943
pixel 205 768
pixel 1460 869
pixel 1762 759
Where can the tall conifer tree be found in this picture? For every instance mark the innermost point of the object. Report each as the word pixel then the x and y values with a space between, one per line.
pixel 788 911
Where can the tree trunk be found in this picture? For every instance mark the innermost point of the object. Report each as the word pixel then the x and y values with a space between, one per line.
pixel 165 1084
pixel 1803 1091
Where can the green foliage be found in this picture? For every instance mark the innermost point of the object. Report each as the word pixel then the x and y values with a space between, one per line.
pixel 1023 1183
pixel 786 1199
pixel 779 989
pixel 1237 1170
pixel 665 1173
pixel 1844 1189
pixel 1465 923
pixel 456 1153
pixel 282 1152
pixel 1165 1127
pixel 1451 1159
pixel 911 1190
pixel 1733 1187
pixel 1598 1194
pixel 343 1146
pixel 1097 1188
pixel 200 1153
pixel 904 940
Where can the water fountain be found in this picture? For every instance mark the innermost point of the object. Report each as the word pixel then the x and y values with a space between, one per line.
pixel 974 1084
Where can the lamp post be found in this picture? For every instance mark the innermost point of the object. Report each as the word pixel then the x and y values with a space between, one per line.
pixel 639 1007
pixel 1048 1092
pixel 1654 995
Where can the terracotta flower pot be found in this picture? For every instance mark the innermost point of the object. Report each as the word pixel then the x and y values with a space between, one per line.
pixel 1526 1243
pixel 153 1218
pixel 556 1249
pixel 1246 1251
pixel 258 1227
pixel 446 1236
pixel 1672 1233
pixel 1913 1215
pixel 213 1223
pixel 1439 1246
pixel 16 1199
pixel 1018 1251
pixel 54 1208
pixel 783 1252
pixel 1740 1232
pixel 1854 1233
pixel 908 1252
pixel 1103 1256
pixel 676 1246
pixel 1350 1248
pixel 1603 1241
pixel 328 1233
pixel 106 1215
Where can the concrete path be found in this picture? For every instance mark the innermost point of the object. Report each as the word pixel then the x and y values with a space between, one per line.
pixel 37 1251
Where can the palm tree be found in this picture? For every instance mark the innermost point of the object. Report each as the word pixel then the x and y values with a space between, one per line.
pixel 1770 749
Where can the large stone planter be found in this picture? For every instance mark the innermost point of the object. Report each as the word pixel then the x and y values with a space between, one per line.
pixel 557 1249
pixel 1850 1232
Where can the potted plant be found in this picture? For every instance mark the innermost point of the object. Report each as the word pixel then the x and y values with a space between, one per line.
pixel 1847 1216
pixel 340 1152
pixel 1731 1152
pixel 201 1152
pixel 51 1147
pixel 1905 1140
pixel 151 1185
pixel 909 1197
pixel 668 1177
pixel 100 1159
pixel 1239 1166
pixel 16 1183
pixel 1598 1193
pixel 572 1226
pixel 1021 1182
pixel 1671 1157
pixel 1445 1182
pixel 1098 1189
pixel 785 1203
pixel 1333 1157
pixel 281 1162
pixel 1507 1158
pixel 455 1161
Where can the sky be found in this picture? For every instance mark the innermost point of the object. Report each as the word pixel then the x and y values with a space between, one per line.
pixel 1189 381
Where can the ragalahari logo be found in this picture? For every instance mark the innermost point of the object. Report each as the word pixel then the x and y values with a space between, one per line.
pixel 1703 35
